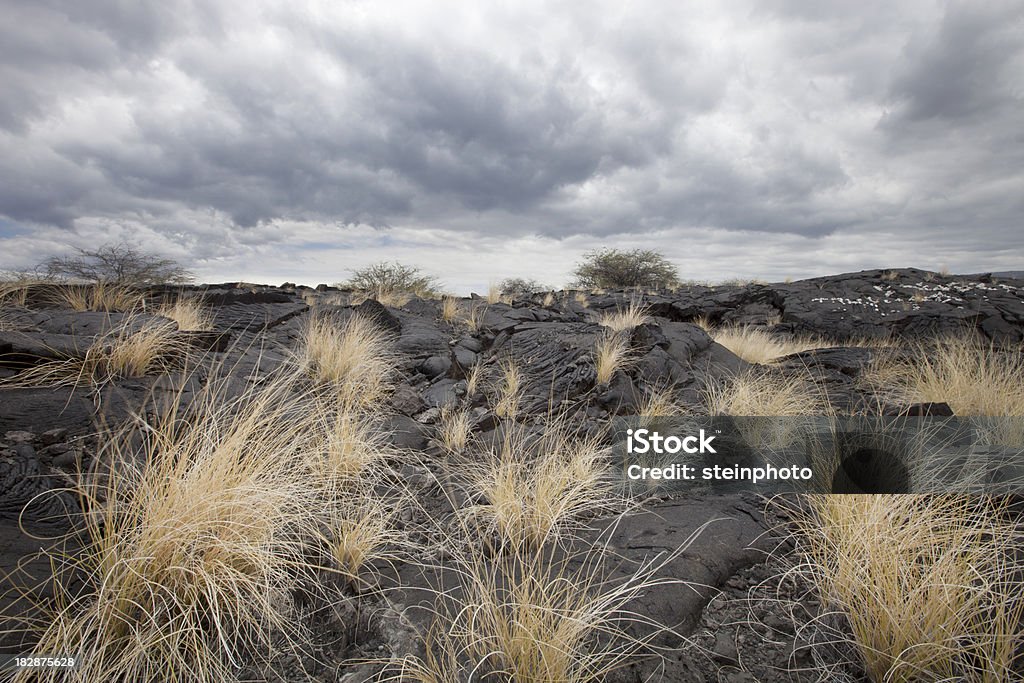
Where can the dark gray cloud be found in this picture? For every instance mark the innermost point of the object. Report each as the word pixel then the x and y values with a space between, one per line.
pixel 215 128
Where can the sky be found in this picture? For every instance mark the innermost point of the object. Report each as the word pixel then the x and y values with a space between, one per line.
pixel 299 140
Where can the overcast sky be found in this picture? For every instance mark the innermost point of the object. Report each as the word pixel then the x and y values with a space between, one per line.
pixel 297 140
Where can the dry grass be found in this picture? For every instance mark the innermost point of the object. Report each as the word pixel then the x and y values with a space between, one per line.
pixel 348 448
pixel 352 359
pixel 128 350
pixel 536 617
pixel 930 585
pixel 510 390
pixel 611 353
pixel 194 544
pixel 474 378
pixel 704 323
pixel 473 317
pixel 494 293
pixel 974 379
pixel 450 309
pixel 102 296
pixel 189 314
pixel 549 300
pixel 754 344
pixel 362 533
pixel 757 345
pixel 388 297
pixel 16 291
pixel 660 401
pixel 582 299
pixel 535 488
pixel 623 320
pixel 453 429
pixel 762 394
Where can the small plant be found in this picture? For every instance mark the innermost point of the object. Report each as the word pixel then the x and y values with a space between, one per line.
pixel 756 345
pixel 549 300
pixel 611 353
pixel 347 448
pixel 704 323
pixel 473 379
pixel 453 429
pixel 362 531
pixel 494 293
pixel 509 390
pixel 15 288
pixel 534 617
pixel 474 317
pixel 517 286
pixel 660 401
pixel 623 320
pixel 615 269
pixel 975 379
pixel 450 309
pixel 581 299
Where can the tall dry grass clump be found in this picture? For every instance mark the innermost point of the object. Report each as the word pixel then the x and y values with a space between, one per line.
pixel 611 353
pixel 101 296
pixel 194 541
pixel 625 319
pixel 532 488
pixel 350 359
pixel 454 428
pixel 974 378
pixel 753 344
pixel 929 585
pixel 450 309
pixel 189 314
pixel 762 394
pixel 510 390
pixel 131 349
pixel 529 616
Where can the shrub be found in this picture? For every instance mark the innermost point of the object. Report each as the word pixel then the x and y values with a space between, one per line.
pixel 392 278
pixel 116 263
pixel 618 269
pixel 518 286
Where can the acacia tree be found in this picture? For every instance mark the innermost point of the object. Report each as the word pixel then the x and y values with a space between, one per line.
pixel 613 268
pixel 117 263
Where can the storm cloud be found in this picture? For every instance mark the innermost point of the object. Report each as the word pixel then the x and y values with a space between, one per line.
pixel 771 138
